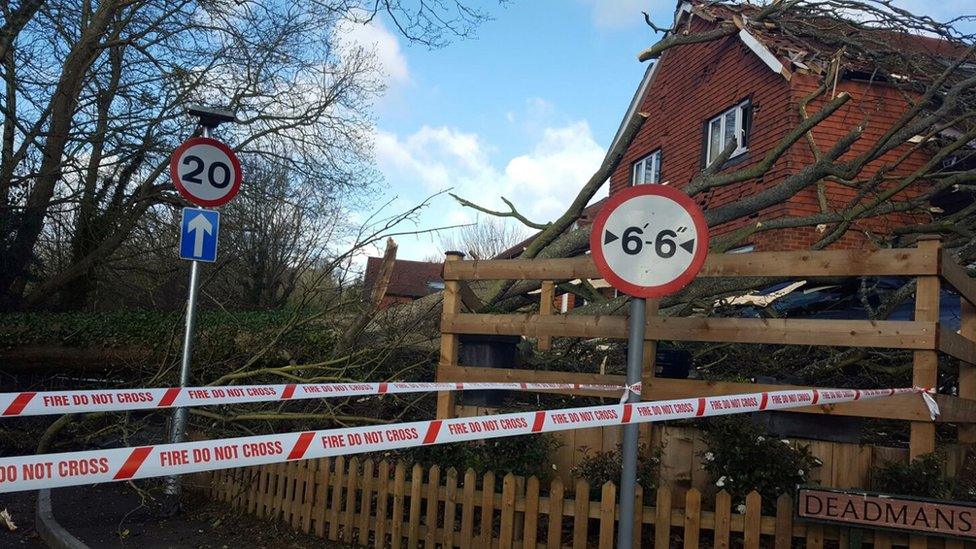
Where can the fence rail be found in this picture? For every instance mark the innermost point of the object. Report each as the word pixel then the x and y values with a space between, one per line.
pixel 391 505
pixel 923 335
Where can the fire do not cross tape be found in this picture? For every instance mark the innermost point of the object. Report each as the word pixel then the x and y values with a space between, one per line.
pixel 114 400
pixel 89 467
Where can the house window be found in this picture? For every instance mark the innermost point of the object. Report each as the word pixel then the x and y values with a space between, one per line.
pixel 648 169
pixel 731 125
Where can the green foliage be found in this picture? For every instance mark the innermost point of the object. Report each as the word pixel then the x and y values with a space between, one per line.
pixel 964 485
pixel 524 455
pixel 922 477
pixel 600 467
pixel 220 334
pixel 742 457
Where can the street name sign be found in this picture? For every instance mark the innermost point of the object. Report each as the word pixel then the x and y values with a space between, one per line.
pixel 205 171
pixel 198 234
pixel 649 240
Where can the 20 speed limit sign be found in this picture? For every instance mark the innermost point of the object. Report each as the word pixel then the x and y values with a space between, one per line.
pixel 205 171
pixel 649 240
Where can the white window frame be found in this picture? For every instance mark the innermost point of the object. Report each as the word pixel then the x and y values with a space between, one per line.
pixel 740 116
pixel 653 161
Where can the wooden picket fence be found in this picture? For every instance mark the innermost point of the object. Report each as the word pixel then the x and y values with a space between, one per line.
pixel 392 505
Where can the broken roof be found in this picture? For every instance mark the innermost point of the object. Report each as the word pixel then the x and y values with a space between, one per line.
pixel 409 279
pixel 809 38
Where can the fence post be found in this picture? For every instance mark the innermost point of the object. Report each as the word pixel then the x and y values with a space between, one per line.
pixel 416 494
pixel 530 531
pixel 692 518
pixel 467 508
pixel 662 522
pixel 581 513
pixel 433 503
pixel 967 372
pixel 487 509
pixel 450 507
pixel 506 531
pixel 399 490
pixel 449 342
pixel 753 520
pixel 608 506
pixel 723 519
pixel 367 501
pixel 784 522
pixel 926 363
pixel 554 537
pixel 382 502
pixel 546 298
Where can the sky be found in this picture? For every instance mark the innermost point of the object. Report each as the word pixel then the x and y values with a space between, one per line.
pixel 526 109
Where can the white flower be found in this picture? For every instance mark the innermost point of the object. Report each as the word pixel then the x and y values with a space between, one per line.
pixel 709 456
pixel 720 482
pixel 784 441
pixel 760 438
pixel 553 466
pixel 800 472
pixel 740 509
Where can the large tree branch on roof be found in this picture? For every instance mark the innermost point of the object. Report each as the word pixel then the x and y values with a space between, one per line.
pixel 682 39
pixel 789 187
pixel 512 212
pixel 554 230
pixel 707 179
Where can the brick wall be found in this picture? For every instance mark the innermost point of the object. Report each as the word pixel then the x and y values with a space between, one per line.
pixel 696 82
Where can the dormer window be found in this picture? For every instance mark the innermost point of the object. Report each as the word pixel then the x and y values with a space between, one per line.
pixel 647 170
pixel 731 125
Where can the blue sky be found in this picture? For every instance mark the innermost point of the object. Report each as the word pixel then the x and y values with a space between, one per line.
pixel 525 110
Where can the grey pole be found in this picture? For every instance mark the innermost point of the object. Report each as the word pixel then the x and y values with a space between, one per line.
pixel 178 428
pixel 628 476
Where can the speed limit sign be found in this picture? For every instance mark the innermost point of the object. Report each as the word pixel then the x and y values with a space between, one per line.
pixel 205 171
pixel 649 240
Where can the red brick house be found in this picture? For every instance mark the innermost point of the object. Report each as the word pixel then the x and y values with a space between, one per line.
pixel 748 87
pixel 409 280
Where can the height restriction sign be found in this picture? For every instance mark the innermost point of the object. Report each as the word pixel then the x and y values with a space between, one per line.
pixel 649 240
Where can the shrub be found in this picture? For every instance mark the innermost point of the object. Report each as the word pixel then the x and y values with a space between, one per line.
pixel 922 477
pixel 600 467
pixel 524 455
pixel 742 457
pixel 964 485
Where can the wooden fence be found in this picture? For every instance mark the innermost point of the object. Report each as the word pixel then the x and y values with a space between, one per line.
pixel 923 335
pixel 844 464
pixel 392 505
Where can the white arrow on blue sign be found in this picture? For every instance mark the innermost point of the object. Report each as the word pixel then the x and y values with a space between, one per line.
pixel 198 235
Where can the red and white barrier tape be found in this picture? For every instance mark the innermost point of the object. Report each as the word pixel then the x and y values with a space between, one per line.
pixel 114 400
pixel 95 466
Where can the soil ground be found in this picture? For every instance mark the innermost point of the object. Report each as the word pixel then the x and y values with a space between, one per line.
pixel 112 516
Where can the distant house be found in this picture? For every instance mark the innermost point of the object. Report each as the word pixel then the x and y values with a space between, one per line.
pixel 746 88
pixel 410 280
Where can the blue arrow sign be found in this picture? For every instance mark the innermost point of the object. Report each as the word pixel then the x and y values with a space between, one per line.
pixel 198 234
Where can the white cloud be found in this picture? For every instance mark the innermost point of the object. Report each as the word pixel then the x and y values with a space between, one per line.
pixel 541 182
pixel 375 37
pixel 617 14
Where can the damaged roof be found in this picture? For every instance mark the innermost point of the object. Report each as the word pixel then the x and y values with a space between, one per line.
pixel 409 278
pixel 809 39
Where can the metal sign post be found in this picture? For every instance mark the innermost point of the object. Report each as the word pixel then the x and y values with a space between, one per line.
pixel 193 170
pixel 647 241
pixel 628 476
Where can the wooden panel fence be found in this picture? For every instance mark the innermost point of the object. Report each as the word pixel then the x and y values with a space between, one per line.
pixel 923 335
pixel 392 505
